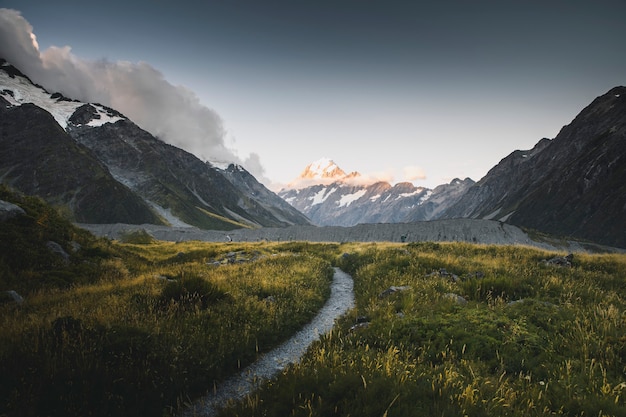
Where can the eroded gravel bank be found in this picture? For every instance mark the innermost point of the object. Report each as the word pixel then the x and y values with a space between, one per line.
pixel 481 231
pixel 461 230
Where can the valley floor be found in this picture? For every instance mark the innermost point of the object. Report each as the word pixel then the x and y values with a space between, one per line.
pixel 453 230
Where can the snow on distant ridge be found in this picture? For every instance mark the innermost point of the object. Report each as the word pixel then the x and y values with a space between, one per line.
pixel 18 90
pixel 103 116
pixel 324 171
pixel 323 168
pixel 348 199
pixel 220 164
pixel 322 195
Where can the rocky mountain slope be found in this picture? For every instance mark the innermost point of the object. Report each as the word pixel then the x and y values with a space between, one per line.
pixel 330 197
pixel 573 185
pixel 102 168
pixel 39 158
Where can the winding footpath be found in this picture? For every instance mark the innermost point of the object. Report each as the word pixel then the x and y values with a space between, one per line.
pixel 270 364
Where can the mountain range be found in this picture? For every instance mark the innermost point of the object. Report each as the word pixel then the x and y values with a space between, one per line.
pixel 572 186
pixel 97 166
pixel 330 197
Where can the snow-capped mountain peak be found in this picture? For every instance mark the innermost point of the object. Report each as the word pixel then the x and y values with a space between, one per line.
pixel 322 171
pixel 330 197
pixel 322 168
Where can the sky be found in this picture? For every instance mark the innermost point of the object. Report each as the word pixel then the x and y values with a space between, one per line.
pixel 398 90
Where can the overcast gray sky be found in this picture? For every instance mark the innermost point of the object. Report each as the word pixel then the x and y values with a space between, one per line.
pixel 425 91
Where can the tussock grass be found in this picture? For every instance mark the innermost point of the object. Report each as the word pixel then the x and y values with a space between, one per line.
pixel 160 325
pixel 139 328
pixel 532 340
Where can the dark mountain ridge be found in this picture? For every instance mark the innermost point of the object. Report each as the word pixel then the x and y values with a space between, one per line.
pixel 39 158
pixel 572 186
pixel 100 167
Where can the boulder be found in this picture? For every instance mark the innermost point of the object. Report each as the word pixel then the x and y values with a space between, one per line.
pixel 392 290
pixel 9 211
pixel 456 298
pixel 563 261
pixel 444 274
pixel 523 300
pixel 12 296
pixel 362 322
pixel 54 247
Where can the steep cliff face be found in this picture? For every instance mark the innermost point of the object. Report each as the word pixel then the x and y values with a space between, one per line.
pixel 261 199
pixel 584 193
pixel 178 185
pixel 573 185
pixel 440 199
pixel 502 187
pixel 39 158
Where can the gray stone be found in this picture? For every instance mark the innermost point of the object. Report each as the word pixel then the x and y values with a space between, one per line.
pixel 54 247
pixel 270 299
pixel 9 211
pixel 14 296
pixel 563 261
pixel 456 298
pixel 392 290
pixel 523 300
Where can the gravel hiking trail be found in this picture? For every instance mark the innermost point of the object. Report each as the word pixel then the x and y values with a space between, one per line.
pixel 270 364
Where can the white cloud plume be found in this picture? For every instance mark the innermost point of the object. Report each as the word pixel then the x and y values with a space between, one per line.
pixel 413 173
pixel 172 113
pixel 253 164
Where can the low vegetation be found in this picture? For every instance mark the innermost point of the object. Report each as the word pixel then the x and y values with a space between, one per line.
pixel 527 338
pixel 140 327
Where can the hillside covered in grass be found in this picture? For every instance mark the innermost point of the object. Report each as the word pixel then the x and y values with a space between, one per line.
pixel 130 329
pixel 465 330
pixel 141 327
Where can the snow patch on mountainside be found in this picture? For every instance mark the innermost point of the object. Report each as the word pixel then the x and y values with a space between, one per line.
pixel 321 196
pixel 404 195
pixel 348 199
pixel 102 116
pixel 221 165
pixel 19 90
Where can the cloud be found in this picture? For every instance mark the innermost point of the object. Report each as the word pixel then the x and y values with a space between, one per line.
pixel 17 41
pixel 174 114
pixel 413 173
pixel 253 164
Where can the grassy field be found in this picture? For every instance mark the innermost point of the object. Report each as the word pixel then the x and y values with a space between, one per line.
pixel 532 339
pixel 158 327
pixel 139 327
pixel 136 328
